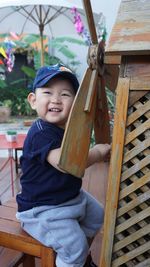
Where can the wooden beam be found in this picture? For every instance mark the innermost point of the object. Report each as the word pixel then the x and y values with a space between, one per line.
pixel 90 20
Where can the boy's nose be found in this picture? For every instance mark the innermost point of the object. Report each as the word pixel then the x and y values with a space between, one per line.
pixel 55 99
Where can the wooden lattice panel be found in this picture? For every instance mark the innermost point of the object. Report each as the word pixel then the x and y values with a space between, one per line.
pixel 126 239
pixel 132 230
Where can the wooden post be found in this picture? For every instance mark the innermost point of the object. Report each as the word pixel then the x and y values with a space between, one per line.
pixel 115 169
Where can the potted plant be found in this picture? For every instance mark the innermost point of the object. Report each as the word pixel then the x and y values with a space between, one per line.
pixel 5 110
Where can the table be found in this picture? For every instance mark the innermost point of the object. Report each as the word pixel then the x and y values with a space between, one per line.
pixel 10 146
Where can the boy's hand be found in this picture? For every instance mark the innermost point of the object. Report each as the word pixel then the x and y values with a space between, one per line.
pixel 100 152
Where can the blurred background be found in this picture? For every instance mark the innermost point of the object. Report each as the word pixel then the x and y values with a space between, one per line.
pixel 55 33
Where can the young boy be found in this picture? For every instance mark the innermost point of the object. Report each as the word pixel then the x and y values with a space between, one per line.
pixel 52 207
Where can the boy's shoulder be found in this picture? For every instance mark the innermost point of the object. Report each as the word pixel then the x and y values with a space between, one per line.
pixel 43 136
pixel 45 129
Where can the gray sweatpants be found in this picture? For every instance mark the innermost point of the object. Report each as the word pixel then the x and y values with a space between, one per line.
pixel 65 227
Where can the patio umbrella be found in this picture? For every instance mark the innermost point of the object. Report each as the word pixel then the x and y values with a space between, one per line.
pixel 46 17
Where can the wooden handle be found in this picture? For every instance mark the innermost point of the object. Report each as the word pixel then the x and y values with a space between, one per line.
pixel 92 88
pixel 76 141
pixel 90 20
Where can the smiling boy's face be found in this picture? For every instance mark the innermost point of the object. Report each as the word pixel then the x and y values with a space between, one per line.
pixel 53 102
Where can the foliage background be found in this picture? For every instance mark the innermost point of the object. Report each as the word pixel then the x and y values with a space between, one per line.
pixel 15 88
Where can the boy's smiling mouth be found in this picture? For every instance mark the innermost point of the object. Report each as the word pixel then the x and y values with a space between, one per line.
pixel 55 110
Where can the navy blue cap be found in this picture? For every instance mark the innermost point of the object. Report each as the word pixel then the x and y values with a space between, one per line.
pixel 46 73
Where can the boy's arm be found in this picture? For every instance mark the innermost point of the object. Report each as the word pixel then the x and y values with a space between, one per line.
pixel 100 152
pixel 53 158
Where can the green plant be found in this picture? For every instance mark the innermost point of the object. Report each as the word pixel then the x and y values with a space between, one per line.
pixel 7 103
pixel 15 98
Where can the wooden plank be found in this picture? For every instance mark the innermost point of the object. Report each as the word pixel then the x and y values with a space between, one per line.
pixel 145 263
pixel 135 219
pixel 134 186
pixel 135 96
pixel 135 168
pixel 136 67
pixel 9 241
pixel 136 87
pixel 91 91
pixel 138 113
pixel 130 255
pixel 115 171
pixel 8 213
pixel 133 203
pixel 131 32
pixel 97 176
pixel 11 203
pixel 140 84
pixel 90 20
pixel 11 236
pixel 131 238
pixel 14 230
pixel 111 72
pixel 112 60
pixel 136 150
pixel 111 75
pixel 78 131
pixel 47 257
pixel 28 261
pixel 9 257
pixel 135 133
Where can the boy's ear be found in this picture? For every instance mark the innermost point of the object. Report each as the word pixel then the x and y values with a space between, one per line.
pixel 32 100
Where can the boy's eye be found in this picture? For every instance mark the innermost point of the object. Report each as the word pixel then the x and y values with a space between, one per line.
pixel 47 92
pixel 65 94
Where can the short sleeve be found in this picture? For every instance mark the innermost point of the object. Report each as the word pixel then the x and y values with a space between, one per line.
pixel 41 145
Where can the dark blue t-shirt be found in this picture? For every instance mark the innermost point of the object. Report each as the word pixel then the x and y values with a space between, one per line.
pixel 41 183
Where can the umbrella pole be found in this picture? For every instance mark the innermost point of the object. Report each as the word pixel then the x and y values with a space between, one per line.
pixel 41 28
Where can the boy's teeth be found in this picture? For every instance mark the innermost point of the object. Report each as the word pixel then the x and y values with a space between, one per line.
pixel 55 109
